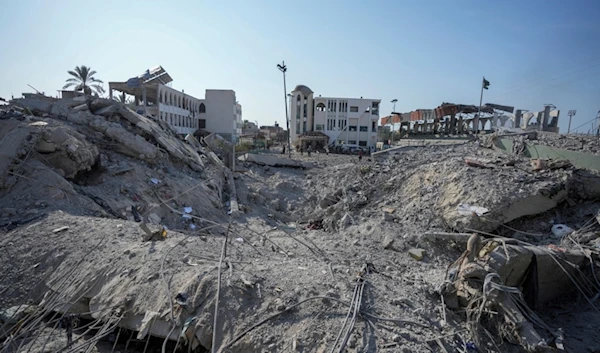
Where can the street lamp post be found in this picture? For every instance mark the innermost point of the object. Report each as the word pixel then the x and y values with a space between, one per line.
pixel 283 69
pixel 571 114
pixel 393 112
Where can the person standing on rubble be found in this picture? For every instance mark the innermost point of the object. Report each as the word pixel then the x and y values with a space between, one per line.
pixel 360 155
pixel 309 150
pixel 302 150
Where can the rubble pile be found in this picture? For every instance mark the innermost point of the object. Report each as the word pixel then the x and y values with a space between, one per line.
pixel 97 157
pixel 114 223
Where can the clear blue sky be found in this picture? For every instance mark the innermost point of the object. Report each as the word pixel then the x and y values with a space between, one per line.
pixel 421 52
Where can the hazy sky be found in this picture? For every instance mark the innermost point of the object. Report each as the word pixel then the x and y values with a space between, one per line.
pixel 421 52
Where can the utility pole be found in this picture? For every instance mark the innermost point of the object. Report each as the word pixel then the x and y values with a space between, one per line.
pixel 393 112
pixel 484 85
pixel 283 69
pixel 571 114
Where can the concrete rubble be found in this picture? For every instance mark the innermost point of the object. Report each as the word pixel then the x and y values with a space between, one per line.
pixel 112 221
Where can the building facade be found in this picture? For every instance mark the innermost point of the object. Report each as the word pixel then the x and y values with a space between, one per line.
pixel 218 112
pixel 350 122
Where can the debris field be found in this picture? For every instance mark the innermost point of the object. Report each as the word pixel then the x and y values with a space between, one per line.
pixel 120 236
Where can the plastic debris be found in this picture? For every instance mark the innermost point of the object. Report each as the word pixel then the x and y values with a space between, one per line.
pixel 468 210
pixel 241 240
pixel 155 181
pixel 60 229
pixel 561 230
pixel 186 216
pixel 187 209
pixel 192 226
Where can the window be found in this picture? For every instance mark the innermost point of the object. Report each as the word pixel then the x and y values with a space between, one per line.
pixel 330 124
pixel 364 129
pixel 341 142
pixel 304 126
pixel 342 124
pixel 202 108
pixel 373 126
pixel 202 123
pixel 375 108
pixel 352 142
pixel 319 127
pixel 298 111
pixel 352 128
pixel 362 143
pixel 171 119
pixel 353 109
pixel 320 107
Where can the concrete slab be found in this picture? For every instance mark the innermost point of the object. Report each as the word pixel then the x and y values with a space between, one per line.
pixel 272 161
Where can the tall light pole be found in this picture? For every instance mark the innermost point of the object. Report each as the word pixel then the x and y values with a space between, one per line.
pixel 283 69
pixel 571 113
pixel 394 111
pixel 485 84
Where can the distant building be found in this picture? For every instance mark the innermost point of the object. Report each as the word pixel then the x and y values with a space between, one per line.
pixel 350 122
pixel 219 112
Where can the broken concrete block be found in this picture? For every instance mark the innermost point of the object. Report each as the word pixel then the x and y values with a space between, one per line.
pixel 479 162
pixel 80 108
pixel 272 161
pixel 417 254
pixel 388 217
pixel 73 153
pixel 33 104
pixel 63 107
pixel 80 117
pixel 389 210
pixel 388 242
pixel 43 146
pixel 10 145
pixel 107 111
pixel 102 103
pixel 346 221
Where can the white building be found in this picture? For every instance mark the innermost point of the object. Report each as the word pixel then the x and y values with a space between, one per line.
pixel 349 122
pixel 218 112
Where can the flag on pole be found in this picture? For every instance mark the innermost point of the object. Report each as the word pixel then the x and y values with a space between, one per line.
pixel 485 84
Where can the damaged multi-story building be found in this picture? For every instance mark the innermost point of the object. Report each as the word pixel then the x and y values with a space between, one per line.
pixel 319 121
pixel 218 112
pixel 450 118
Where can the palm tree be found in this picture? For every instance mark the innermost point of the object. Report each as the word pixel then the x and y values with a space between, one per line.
pixel 83 80
pixel 122 98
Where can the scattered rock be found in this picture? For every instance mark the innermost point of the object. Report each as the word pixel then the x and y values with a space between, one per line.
pixel 61 229
pixel 417 254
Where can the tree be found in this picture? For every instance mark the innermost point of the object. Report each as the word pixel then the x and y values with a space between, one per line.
pixel 122 98
pixel 83 79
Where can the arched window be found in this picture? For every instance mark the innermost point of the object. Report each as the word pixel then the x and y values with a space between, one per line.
pixel 321 107
pixel 202 108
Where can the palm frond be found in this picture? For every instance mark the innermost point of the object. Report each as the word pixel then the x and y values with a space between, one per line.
pixel 73 80
pixel 75 74
pixel 91 73
pixel 70 84
pixel 98 88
